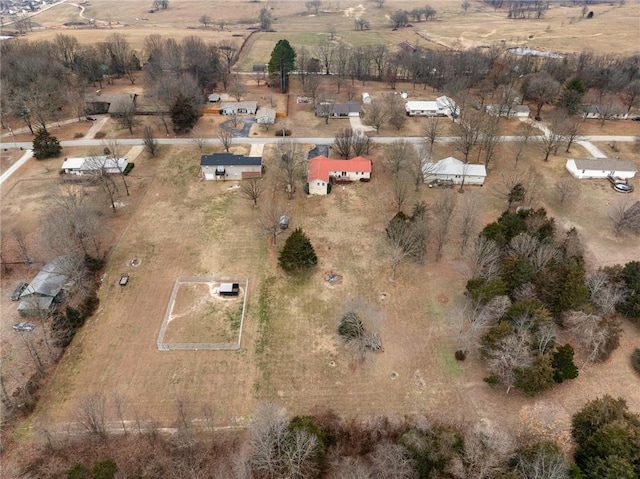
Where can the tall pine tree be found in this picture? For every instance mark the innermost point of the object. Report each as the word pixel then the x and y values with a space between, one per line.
pixel 297 253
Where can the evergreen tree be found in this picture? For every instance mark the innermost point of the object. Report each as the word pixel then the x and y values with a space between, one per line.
pixel 571 96
pixel 45 145
pixel 563 365
pixel 184 114
pixel 631 277
pixel 283 56
pixel 297 253
pixel 104 470
pixel 537 378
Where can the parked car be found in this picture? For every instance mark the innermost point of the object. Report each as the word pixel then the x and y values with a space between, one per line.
pixel 441 184
pixel 15 296
pixel 635 118
pixel 24 326
pixel 91 118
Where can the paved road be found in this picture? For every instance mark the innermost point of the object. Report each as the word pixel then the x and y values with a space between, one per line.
pixel 23 159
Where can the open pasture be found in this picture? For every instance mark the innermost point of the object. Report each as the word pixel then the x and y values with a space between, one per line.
pixel 289 351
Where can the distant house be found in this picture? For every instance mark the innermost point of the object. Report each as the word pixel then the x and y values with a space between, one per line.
pixel 261 67
pixel 339 110
pixel 112 103
pixel 454 170
pixel 94 165
pixel 228 166
pixel 323 171
pixel 238 107
pixel 601 168
pixel 608 111
pixel 214 98
pixel 407 47
pixel 266 116
pixel 46 287
pixel 366 98
pixel 506 111
pixel 442 106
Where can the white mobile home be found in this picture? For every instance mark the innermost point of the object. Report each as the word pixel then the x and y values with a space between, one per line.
pixel 455 170
pixel 238 107
pixel 601 168
pixel 94 165
pixel 442 106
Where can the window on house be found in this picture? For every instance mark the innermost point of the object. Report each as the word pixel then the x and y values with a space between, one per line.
pixel 323 183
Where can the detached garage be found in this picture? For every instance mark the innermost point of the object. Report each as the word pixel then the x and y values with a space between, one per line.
pixel 601 168
pixel 227 166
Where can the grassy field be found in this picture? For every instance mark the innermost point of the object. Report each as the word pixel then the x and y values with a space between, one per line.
pixel 290 352
pixel 614 29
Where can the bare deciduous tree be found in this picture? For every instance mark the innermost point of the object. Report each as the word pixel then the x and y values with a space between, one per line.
pixel 625 216
pixel 397 156
pixel 485 259
pixel 90 415
pixel 567 191
pixel 20 240
pixel 225 136
pixel 511 353
pixel 252 189
pixel 392 461
pixel 290 157
pixel 471 206
pixel 442 212
pixel 404 240
pixel 376 114
pixel 197 139
pixel 598 336
pixel 237 88
pixel 552 140
pixel 150 142
pixel 270 221
pixel 433 130
pixel 474 319
pixel 343 142
pixel 604 293
pixel 400 191
pixel 486 451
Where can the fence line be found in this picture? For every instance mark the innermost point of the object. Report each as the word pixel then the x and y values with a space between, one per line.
pixel 162 346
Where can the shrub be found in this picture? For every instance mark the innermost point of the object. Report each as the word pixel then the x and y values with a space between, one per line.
pixel 563 365
pixel 286 132
pixel 45 145
pixel 492 380
pixel 461 355
pixel 350 326
pixel 78 471
pixel 635 360
pixel 537 378
pixel 104 470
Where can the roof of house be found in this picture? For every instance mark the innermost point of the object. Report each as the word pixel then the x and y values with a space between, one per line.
pixel 109 97
pixel 266 113
pixel 604 164
pixel 320 167
pixel 230 159
pixel 35 303
pixel 453 166
pixel 214 97
pixel 340 109
pixel 505 108
pixel 248 105
pixel 49 280
pixel 421 105
pixel 94 163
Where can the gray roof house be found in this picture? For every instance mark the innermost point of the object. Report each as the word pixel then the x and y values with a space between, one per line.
pixel 266 116
pixel 42 290
pixel 339 110
pixel 601 168
pixel 238 107
pixel 229 166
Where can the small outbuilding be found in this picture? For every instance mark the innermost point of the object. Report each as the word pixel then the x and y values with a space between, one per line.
pixel 44 289
pixel 214 98
pixel 228 166
pixel 601 168
pixel 229 289
pixel 366 98
pixel 454 170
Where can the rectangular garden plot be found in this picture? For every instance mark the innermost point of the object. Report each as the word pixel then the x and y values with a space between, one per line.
pixel 205 313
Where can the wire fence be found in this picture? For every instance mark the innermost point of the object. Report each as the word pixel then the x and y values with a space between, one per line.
pixel 230 346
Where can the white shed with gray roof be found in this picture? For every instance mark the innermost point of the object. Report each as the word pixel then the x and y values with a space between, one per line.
pixel 601 168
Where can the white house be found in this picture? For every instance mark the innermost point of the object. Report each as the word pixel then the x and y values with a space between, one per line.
pixel 323 171
pixel 601 168
pixel 455 170
pixel 506 111
pixel 94 165
pixel 611 112
pixel 238 107
pixel 442 106
pixel 266 116
pixel 227 166
pixel 366 98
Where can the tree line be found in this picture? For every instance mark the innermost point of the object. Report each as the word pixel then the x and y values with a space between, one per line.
pixel 325 445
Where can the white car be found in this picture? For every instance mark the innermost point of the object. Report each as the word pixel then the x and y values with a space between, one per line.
pixel 24 326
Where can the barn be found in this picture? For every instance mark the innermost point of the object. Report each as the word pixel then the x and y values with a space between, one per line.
pixel 455 170
pixel 601 168
pixel 228 166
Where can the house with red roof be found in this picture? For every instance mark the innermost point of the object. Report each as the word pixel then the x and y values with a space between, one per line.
pixel 324 171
